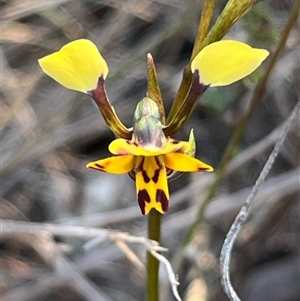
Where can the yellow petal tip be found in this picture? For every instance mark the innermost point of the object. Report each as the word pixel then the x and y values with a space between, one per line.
pixel 76 66
pixel 225 62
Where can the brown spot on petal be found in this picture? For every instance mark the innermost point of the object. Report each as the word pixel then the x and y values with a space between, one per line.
pixel 175 141
pixel 141 165
pixel 156 176
pixel 143 197
pixel 99 166
pixel 157 162
pixel 145 176
pixel 162 198
pixel 91 167
pixel 203 169
pixel 132 142
pixel 122 152
pixel 156 172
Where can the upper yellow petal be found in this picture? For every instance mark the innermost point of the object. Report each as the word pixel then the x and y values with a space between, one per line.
pixel 123 147
pixel 225 62
pixel 77 65
pixel 185 163
pixel 115 165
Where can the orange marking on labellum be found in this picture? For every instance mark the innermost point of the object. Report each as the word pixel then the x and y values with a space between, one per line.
pixel 140 166
pixel 122 152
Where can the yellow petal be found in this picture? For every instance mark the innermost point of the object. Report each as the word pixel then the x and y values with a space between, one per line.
pixel 115 165
pixel 123 147
pixel 185 163
pixel 77 65
pixel 225 62
pixel 152 185
pixel 174 146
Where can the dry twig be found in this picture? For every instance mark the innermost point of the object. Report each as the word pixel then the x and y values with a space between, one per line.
pixel 16 227
pixel 244 212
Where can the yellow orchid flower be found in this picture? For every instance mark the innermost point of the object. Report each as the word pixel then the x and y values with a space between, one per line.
pixel 147 152
pixel 225 62
pixel 151 156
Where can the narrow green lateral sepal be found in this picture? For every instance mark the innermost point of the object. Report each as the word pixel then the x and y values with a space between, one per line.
pixel 153 89
pixel 188 105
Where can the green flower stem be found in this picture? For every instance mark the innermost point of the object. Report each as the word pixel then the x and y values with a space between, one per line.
pixel 231 13
pixel 154 224
pixel 237 135
pixel 204 23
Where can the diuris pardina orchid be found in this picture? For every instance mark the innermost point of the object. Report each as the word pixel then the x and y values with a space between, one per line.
pixel 146 151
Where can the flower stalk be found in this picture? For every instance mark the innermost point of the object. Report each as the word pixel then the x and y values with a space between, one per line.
pixel 154 230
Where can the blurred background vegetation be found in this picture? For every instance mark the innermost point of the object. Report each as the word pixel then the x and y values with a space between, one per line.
pixel 50 133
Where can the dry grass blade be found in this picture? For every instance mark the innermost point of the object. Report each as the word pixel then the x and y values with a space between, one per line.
pixel 244 212
pixel 18 8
